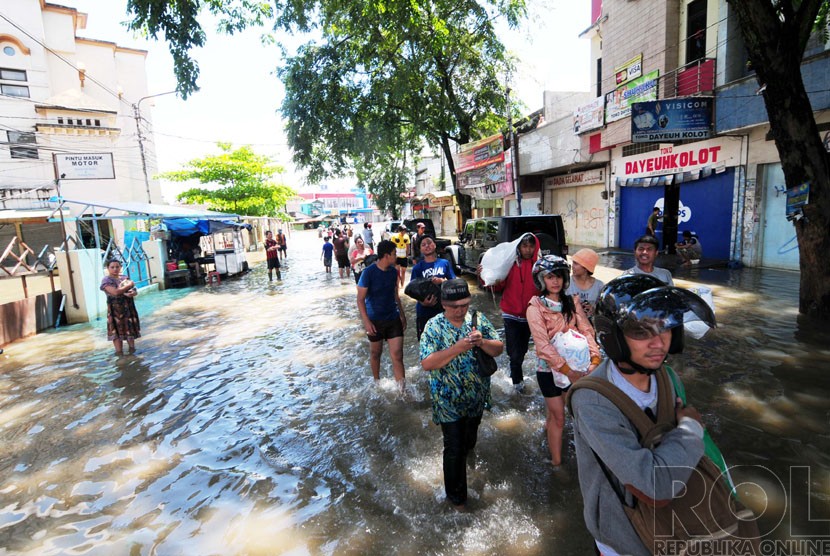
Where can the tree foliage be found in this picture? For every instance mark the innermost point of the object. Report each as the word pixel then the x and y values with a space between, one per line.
pixel 430 70
pixel 775 33
pixel 246 183
pixel 386 179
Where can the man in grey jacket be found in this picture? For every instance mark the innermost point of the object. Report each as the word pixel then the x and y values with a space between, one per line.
pixel 639 321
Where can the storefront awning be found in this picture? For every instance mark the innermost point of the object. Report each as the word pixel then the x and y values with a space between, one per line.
pixel 115 210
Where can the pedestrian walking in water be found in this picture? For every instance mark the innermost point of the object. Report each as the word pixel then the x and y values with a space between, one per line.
pixel 272 256
pixel 434 269
pixel 358 256
pixel 341 247
pixel 381 311
pixel 326 255
pixel 459 393
pixel 583 282
pixel 282 244
pixel 640 489
pixel 122 317
pixel 401 241
pixel 518 289
pixel 368 235
pixel 549 314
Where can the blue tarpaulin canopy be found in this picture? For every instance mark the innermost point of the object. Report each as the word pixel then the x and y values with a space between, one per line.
pixel 188 226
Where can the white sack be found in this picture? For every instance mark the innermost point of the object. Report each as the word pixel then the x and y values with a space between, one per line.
pixel 496 262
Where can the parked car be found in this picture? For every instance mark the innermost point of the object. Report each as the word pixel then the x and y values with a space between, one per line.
pixel 390 229
pixel 480 234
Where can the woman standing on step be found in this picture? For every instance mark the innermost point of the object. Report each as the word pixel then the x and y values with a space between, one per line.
pixel 122 317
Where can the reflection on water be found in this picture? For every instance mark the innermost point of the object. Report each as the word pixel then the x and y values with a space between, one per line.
pixel 248 424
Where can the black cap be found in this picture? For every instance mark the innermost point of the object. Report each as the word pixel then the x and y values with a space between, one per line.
pixel 455 289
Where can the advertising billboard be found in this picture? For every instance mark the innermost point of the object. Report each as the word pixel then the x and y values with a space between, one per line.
pixel 618 102
pixel 677 119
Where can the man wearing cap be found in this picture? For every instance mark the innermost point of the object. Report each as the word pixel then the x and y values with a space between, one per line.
pixel 381 311
pixel 583 282
pixel 645 253
pixel 459 394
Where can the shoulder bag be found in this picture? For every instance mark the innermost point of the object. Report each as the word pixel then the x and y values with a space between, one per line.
pixel 485 364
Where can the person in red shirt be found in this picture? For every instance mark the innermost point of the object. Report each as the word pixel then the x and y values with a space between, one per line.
pixel 273 256
pixel 518 288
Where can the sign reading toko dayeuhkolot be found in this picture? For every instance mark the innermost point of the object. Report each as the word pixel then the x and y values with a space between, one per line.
pixel 84 166
pixel 660 121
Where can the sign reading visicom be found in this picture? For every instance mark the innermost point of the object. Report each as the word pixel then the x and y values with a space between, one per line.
pixel 84 166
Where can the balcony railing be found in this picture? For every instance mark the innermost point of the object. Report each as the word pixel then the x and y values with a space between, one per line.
pixel 695 78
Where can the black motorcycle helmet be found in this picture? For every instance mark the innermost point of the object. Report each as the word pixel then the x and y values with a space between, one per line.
pixel 639 304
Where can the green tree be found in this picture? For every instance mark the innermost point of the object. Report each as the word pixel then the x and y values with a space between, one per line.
pixel 246 183
pixel 775 33
pixel 430 69
pixel 386 179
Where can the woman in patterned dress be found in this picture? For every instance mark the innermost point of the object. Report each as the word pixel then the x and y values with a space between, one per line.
pixel 459 394
pixel 122 318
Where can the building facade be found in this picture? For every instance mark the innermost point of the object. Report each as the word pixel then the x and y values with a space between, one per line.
pixel 64 98
pixel 722 180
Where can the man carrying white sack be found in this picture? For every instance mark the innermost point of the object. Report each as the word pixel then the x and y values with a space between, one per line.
pixel 517 290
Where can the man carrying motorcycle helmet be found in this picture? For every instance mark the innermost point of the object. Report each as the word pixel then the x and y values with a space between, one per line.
pixel 639 321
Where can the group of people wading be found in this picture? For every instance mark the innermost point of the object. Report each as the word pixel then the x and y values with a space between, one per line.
pixel 630 327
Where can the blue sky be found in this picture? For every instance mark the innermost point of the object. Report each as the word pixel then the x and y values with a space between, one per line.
pixel 240 95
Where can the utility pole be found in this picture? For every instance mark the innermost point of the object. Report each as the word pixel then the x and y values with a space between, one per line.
pixel 140 136
pixel 514 153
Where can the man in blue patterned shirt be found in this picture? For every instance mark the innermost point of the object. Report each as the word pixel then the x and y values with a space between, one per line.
pixel 459 395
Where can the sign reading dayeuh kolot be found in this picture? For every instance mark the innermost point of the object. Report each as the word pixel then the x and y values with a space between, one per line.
pixel 661 121
pixel 84 166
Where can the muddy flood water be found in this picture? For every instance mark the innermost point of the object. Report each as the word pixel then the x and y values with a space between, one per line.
pixel 248 423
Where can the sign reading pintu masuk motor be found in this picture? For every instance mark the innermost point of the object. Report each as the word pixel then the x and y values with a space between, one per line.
pixel 84 166
pixel 661 121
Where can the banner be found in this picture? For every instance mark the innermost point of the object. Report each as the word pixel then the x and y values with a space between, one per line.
pixel 589 116
pixel 671 120
pixel 491 182
pixel 482 153
pixel 618 102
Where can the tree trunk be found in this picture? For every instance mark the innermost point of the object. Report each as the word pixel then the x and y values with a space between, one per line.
pixel 465 202
pixel 776 48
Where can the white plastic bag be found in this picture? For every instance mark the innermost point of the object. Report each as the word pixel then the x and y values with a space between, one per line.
pixel 697 329
pixel 496 262
pixel 573 347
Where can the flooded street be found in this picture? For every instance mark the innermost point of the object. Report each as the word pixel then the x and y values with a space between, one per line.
pixel 248 423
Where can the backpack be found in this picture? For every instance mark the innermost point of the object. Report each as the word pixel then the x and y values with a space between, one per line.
pixel 706 516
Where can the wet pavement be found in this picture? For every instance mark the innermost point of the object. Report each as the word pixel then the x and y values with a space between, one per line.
pixel 248 423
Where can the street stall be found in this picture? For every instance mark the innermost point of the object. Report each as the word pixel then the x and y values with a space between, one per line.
pixel 167 257
pixel 196 244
